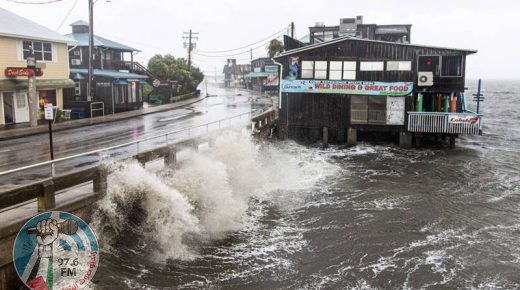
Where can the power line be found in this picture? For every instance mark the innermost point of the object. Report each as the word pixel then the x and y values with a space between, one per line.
pixel 30 2
pixel 234 54
pixel 68 14
pixel 246 46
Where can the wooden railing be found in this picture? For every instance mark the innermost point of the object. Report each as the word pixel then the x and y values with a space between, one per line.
pixel 468 123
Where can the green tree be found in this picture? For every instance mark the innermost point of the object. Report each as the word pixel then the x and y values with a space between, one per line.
pixel 167 67
pixel 275 46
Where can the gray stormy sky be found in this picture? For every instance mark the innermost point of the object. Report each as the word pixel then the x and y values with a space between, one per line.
pixel 156 26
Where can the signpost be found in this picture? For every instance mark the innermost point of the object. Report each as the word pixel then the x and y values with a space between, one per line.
pixel 49 116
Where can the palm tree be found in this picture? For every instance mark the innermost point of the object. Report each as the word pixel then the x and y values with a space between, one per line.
pixel 275 46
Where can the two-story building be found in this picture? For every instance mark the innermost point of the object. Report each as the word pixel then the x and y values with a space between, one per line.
pixel 351 84
pixel 115 85
pixel 234 74
pixel 264 75
pixel 17 36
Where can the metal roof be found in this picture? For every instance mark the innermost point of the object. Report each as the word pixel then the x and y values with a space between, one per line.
pixel 12 25
pixel 82 39
pixel 79 23
pixel 107 73
pixel 350 38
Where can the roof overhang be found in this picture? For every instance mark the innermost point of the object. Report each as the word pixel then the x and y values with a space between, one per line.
pixel 350 38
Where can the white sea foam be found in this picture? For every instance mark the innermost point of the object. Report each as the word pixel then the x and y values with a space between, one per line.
pixel 207 194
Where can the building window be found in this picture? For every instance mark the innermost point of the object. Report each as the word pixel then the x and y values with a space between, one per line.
pixel 335 70
pixel 399 65
pixel 307 69
pixel 349 70
pixel 20 100
pixel 451 66
pixel 42 50
pixel 77 89
pixel 320 70
pixel 372 66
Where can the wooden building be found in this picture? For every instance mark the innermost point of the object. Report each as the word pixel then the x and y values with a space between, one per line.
pixel 350 84
pixel 117 82
pixel 264 76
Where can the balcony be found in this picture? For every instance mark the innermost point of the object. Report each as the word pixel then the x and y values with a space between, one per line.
pixel 467 123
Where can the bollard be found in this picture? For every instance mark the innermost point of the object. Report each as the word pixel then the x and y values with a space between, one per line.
pixel 48 200
pixel 101 181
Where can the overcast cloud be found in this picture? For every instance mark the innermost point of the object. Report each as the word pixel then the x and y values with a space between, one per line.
pixel 156 26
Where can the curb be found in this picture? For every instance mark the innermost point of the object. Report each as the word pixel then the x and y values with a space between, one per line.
pixel 38 131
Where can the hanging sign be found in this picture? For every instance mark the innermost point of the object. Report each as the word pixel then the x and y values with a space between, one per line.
pixel 347 87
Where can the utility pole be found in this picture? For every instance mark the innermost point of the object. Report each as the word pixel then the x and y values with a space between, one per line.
pixel 292 29
pixel 190 44
pixel 90 47
pixel 33 98
pixel 251 53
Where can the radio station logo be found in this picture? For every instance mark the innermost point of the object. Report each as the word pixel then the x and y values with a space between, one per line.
pixel 56 250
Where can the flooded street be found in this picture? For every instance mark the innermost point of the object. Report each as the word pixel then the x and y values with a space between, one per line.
pixel 284 215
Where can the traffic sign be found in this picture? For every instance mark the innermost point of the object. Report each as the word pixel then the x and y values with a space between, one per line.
pixel 49 114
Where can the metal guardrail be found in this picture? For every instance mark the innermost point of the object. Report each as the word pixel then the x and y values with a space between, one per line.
pixel 102 152
pixel 468 123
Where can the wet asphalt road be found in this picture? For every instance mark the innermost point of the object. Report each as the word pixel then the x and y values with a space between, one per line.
pixel 222 103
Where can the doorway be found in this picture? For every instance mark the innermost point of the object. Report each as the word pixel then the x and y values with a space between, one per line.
pixel 8 102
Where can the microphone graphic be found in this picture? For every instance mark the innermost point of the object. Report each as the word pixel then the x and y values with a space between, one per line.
pixel 68 227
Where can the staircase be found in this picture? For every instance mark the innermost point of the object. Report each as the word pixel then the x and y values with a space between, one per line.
pixel 141 69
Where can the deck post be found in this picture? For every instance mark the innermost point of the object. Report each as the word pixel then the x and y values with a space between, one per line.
pixel 405 140
pixel 452 141
pixel 170 157
pixel 418 140
pixel 351 137
pixel 100 182
pixel 48 199
pixel 325 138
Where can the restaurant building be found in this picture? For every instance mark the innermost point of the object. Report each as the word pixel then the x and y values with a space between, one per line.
pixel 117 84
pixel 17 35
pixel 351 84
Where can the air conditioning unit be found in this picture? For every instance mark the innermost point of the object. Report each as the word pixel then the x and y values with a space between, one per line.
pixel 75 61
pixel 425 79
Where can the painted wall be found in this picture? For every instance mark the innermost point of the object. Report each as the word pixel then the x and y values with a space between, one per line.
pixel 11 55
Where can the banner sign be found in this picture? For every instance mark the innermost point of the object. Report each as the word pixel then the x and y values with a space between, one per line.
pixel 347 87
pixel 457 119
pixel 271 68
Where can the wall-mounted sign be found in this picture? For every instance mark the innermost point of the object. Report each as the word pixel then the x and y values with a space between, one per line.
pixel 457 119
pixel 156 83
pixel 347 87
pixel 104 84
pixel 271 68
pixel 22 72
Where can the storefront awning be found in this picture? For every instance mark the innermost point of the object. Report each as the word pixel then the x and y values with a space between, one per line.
pixel 120 82
pixel 20 84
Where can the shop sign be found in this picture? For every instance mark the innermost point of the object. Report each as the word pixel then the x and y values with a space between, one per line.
pixel 271 68
pixel 22 72
pixel 470 120
pixel 347 87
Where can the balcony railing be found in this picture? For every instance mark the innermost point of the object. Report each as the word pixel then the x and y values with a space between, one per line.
pixel 467 123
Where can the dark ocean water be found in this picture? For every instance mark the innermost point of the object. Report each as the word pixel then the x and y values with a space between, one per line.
pixel 371 216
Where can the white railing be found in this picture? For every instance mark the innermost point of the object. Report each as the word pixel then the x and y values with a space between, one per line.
pixel 94 157
pixel 467 123
pixel 93 108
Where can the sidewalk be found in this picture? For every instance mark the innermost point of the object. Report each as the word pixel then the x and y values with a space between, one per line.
pixel 6 134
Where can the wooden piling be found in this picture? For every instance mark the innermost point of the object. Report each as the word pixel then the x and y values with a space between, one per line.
pixel 47 200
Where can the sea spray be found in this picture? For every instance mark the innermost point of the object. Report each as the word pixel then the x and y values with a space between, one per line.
pixel 206 194
pixel 168 214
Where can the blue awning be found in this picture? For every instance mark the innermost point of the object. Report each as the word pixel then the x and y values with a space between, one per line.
pixel 120 82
